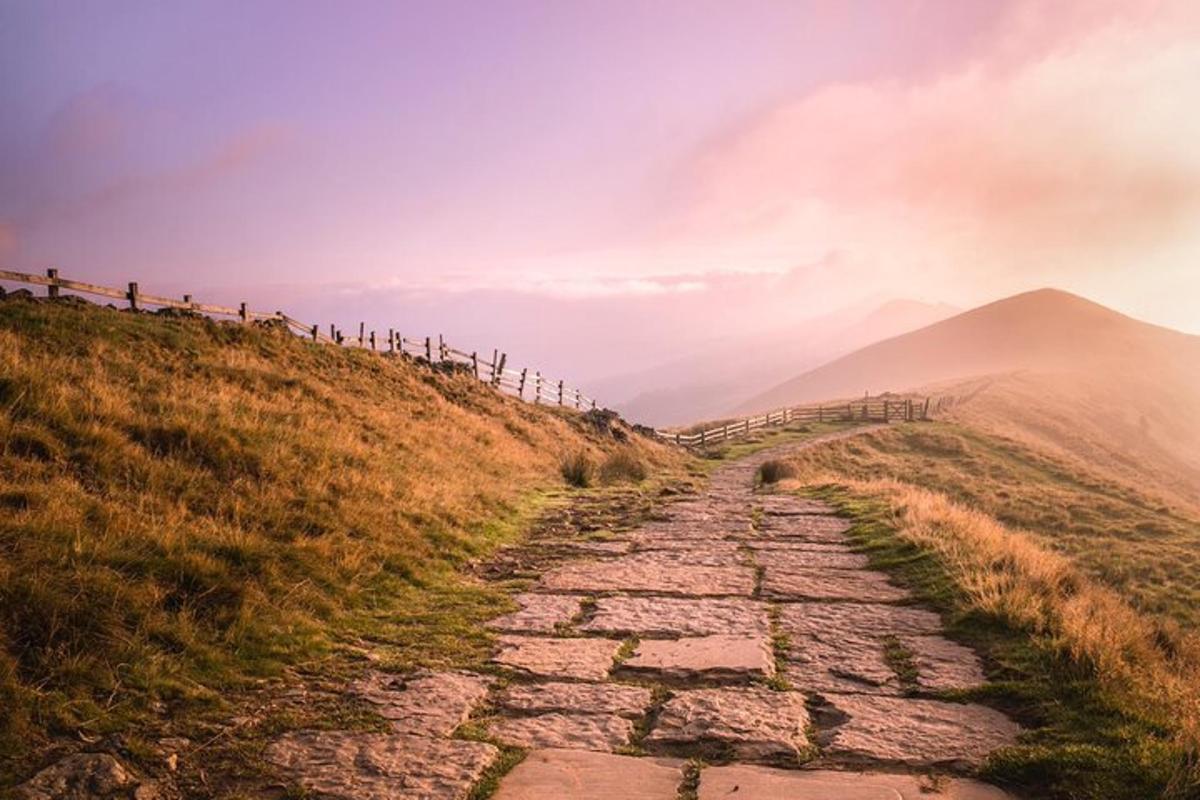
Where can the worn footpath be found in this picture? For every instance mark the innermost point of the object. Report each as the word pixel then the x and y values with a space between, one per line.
pixel 733 646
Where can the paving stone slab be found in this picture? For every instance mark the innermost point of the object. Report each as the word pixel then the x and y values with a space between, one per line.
pixel 839 663
pixel 746 782
pixel 706 658
pixel 761 544
pixel 586 698
pixel 583 775
pixel 857 619
pixel 752 724
pixel 600 732
pixel 790 506
pixel 426 703
pixel 816 584
pixel 806 526
pixel 580 658
pixel 670 616
pixel 944 665
pixel 633 575
pixel 539 613
pixel 797 559
pixel 380 766
pixel 913 732
pixel 704 554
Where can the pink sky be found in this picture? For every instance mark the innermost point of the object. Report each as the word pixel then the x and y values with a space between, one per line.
pixel 662 174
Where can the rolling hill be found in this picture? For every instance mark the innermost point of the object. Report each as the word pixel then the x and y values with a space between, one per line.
pixel 1052 369
pixel 708 382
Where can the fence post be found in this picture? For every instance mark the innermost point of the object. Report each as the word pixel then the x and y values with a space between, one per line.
pixel 886 409
pixel 521 387
pixel 498 370
pixel 475 363
pixel 820 413
pixel 560 393
pixel 578 400
pixel 52 289
pixel 537 387
pixel 593 405
pixel 703 438
pixel 244 314
pixel 925 410
pixel 133 296
pixel 428 350
pixel 391 340
pixel 315 332
pixel 725 432
pixel 441 348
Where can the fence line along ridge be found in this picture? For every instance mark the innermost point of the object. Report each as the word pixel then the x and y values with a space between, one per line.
pixel 525 384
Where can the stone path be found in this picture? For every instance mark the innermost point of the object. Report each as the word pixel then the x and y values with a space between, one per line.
pixel 735 627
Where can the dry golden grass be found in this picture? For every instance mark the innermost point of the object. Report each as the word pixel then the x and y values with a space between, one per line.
pixel 186 505
pixel 1145 666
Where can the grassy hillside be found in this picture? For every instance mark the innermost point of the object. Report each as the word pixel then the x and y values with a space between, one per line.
pixel 1079 590
pixel 187 506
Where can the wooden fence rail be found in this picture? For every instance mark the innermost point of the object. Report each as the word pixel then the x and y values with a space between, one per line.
pixel 490 368
pixel 867 410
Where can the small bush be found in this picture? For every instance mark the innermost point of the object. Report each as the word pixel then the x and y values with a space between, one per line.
pixel 623 466
pixel 774 471
pixel 577 470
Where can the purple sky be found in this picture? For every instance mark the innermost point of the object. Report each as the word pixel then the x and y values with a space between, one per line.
pixel 538 175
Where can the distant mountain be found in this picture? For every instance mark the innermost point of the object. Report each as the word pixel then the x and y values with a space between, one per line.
pixel 1049 367
pixel 711 382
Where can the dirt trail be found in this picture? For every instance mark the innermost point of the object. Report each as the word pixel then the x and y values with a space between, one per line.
pixel 735 629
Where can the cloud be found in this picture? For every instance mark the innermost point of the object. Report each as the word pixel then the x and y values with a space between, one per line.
pixel 1063 142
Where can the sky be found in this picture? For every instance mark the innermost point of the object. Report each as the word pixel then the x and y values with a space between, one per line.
pixel 599 186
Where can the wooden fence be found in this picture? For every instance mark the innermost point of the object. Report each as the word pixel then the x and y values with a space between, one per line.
pixel 878 409
pixel 526 384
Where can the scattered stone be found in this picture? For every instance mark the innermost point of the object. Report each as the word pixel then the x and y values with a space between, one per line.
pixel 633 575
pixel 751 724
pixel 665 616
pixel 586 698
pixel 540 613
pixel 425 704
pixel 763 783
pixel 724 659
pixel 857 619
pixel 815 584
pixel 916 733
pixel 583 775
pixel 944 665
pixel 583 659
pixel 840 663
pixel 379 766
pixel 82 776
pixel 600 732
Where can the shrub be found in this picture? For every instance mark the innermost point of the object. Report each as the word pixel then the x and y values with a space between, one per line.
pixel 577 470
pixel 621 466
pixel 774 471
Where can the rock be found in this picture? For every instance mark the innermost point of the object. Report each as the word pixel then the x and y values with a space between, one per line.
pixel 82 776
pixel 582 775
pixel 840 663
pixel 584 659
pixel 723 659
pixel 856 619
pixel 763 783
pixel 915 733
pixel 601 732
pixel 380 766
pixel 664 616
pixel 540 613
pixel 821 584
pixel 943 665
pixel 425 704
pixel 630 574
pixel 750 724
pixel 586 698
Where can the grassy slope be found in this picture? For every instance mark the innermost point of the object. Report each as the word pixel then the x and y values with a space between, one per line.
pixel 187 506
pixel 1021 552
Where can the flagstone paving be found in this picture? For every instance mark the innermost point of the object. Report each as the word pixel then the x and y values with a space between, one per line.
pixel 734 626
